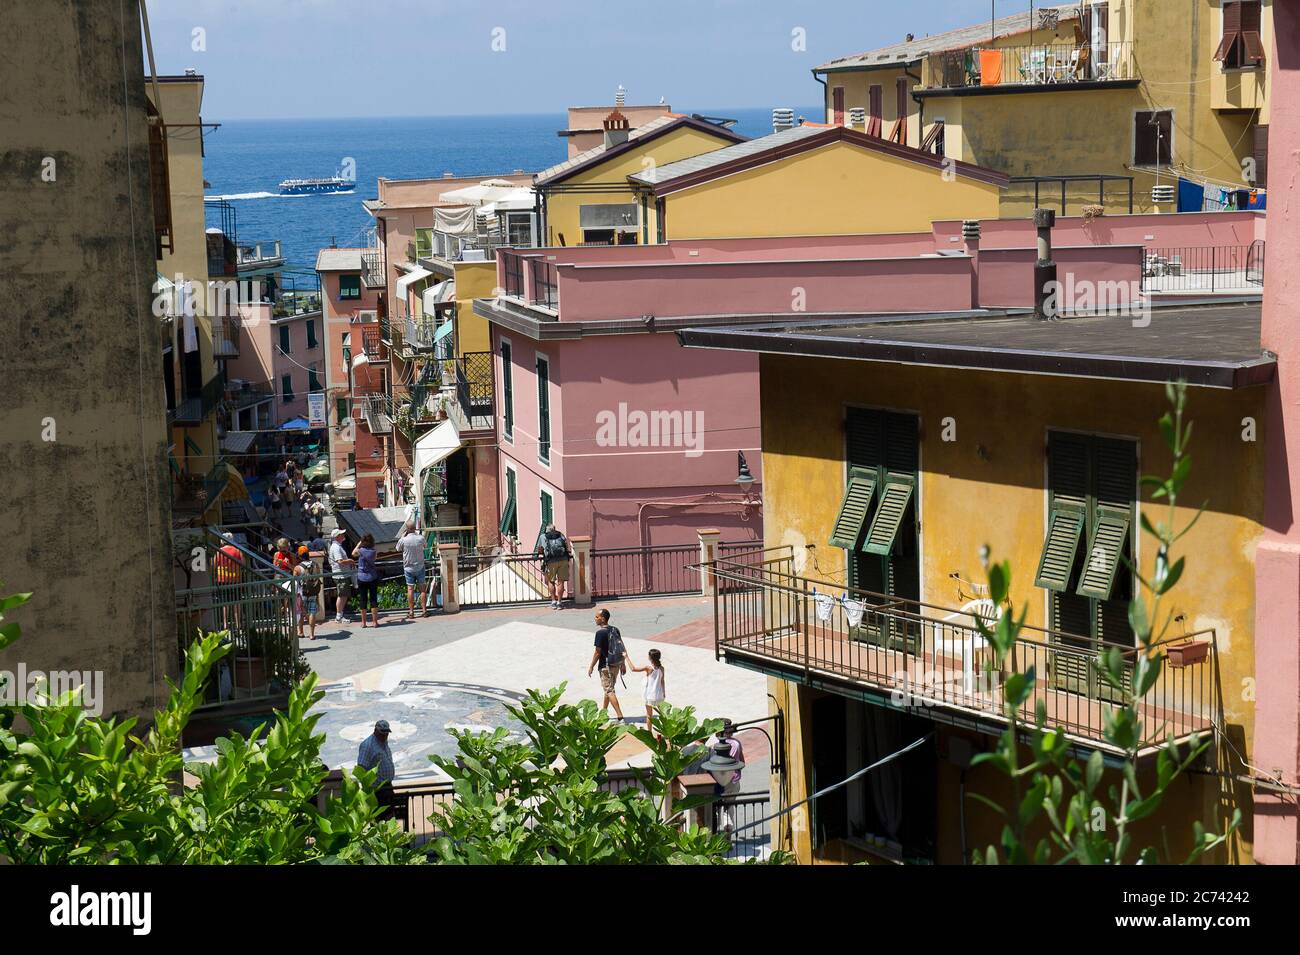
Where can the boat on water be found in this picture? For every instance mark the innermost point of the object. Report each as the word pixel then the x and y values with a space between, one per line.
pixel 306 187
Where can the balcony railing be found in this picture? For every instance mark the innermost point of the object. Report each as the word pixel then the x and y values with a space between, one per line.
pixel 371 338
pixel 544 283
pixel 474 390
pixel 1063 64
pixel 513 266
pixel 225 336
pixel 246 393
pixel 1213 269
pixel 194 409
pixel 453 248
pixel 259 254
pixel 932 661
pixel 372 269
pixel 377 412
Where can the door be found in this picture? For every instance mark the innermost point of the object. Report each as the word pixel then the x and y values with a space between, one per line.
pixel 837 105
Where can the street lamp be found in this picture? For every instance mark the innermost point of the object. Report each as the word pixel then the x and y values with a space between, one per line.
pixel 743 477
pixel 721 765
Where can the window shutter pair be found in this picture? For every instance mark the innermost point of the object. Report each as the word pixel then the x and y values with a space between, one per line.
pixel 1084 471
pixel 1242 43
pixel 882 451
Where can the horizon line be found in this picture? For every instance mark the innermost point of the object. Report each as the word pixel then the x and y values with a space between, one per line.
pixel 703 112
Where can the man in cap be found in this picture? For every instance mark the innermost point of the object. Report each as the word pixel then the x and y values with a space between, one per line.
pixel 375 754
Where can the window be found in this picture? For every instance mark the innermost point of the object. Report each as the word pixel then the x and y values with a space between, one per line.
pixel 876 524
pixel 349 286
pixel 352 461
pixel 285 341
pixel 341 410
pixel 509 519
pixel 875 108
pixel 347 351
pixel 548 515
pixel 508 390
pixel 1091 484
pixel 1241 46
pixel 286 385
pixel 934 139
pixel 610 223
pixel 313 380
pixel 1153 137
pixel 311 333
pixel 1261 157
pixel 543 410
pixel 837 105
pixel 900 108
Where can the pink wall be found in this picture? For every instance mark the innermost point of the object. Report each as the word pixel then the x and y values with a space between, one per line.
pixel 1006 276
pixel 339 320
pixel 600 489
pixel 1155 231
pixel 1277 558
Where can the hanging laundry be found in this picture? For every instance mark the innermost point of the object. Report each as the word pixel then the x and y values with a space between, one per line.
pixel 825 604
pixel 1191 196
pixel 853 609
pixel 186 294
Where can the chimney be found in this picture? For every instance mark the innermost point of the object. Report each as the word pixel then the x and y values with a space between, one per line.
pixel 782 118
pixel 1045 268
pixel 970 233
pixel 617 129
pixel 620 97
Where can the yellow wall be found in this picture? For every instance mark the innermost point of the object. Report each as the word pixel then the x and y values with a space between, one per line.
pixel 562 216
pixel 473 280
pixel 833 190
pixel 1087 131
pixel 181 102
pixel 987 487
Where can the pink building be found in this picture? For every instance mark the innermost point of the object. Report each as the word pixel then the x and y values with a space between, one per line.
pixel 286 350
pixel 607 425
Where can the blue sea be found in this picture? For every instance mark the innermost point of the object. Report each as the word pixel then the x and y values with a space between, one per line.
pixel 245 160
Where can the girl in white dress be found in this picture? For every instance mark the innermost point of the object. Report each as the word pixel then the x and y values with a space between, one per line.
pixel 654 686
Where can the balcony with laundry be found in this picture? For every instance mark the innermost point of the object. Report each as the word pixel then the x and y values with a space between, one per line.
pixel 1007 68
pixel 935 662
pixel 473 222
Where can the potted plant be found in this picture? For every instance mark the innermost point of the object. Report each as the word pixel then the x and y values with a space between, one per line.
pixel 1188 653
pixel 250 660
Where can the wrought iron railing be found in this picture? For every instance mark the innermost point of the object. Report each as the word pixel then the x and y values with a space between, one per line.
pixel 632 571
pixel 513 267
pixel 474 390
pixel 1223 268
pixel 1062 64
pixel 933 660
pixel 372 268
pixel 545 290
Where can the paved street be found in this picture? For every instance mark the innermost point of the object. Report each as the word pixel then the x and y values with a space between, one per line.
pixel 428 674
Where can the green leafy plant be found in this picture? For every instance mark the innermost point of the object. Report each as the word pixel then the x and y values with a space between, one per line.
pixel 77 789
pixel 542 801
pixel 1055 793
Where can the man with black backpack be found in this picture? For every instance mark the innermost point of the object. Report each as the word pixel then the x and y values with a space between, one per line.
pixel 609 655
pixel 553 549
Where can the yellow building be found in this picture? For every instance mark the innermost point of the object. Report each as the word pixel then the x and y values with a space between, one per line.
pixel 188 264
pixel 813 180
pixel 892 453
pixel 1101 88
pixel 592 198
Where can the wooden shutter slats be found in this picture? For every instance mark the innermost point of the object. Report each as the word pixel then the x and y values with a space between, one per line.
pixel 1109 537
pixel 852 518
pixel 1060 549
pixel 894 499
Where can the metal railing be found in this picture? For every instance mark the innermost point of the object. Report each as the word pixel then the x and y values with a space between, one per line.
pixel 932 660
pixel 377 411
pixel 452 247
pixel 501 580
pixel 1229 268
pixel 246 394
pixel 513 267
pixel 744 810
pixel 545 291
pixel 259 253
pixel 1076 189
pixel 225 336
pixel 1039 65
pixel 371 338
pixel 635 571
pixel 372 269
pixel 474 390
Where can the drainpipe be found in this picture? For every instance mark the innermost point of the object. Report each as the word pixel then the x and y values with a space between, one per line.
pixel 826 94
pixel 1044 268
pixel 970 232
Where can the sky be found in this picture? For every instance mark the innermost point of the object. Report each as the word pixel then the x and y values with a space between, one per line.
pixel 349 58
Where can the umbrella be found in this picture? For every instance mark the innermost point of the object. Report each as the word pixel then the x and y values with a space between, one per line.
pixel 318 472
pixel 296 424
pixel 489 190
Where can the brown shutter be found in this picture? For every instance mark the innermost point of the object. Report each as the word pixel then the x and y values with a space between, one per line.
pixel 1251 35
pixel 1261 157
pixel 901 92
pixel 1231 34
pixel 875 108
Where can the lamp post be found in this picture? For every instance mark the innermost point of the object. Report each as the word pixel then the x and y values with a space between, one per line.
pixel 721 765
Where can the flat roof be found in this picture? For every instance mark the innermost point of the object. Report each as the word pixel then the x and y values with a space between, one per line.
pixel 1212 345
pixel 338 260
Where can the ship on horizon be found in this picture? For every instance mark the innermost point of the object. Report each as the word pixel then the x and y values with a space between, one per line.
pixel 307 187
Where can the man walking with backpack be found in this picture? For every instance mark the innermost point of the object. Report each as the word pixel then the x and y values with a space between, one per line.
pixel 609 654
pixel 553 548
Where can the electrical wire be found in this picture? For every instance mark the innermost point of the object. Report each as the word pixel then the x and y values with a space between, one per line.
pixel 843 782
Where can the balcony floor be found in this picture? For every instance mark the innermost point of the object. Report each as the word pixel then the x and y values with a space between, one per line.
pixel 937 687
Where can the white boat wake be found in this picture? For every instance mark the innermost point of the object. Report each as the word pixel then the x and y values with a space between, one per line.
pixel 274 195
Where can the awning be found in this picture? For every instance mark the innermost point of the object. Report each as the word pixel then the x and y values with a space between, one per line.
pixel 346 484
pixel 235 489
pixel 409 279
pixel 516 200
pixel 489 190
pixel 457 221
pixel 238 442
pixel 296 424
pixel 433 448
pixel 438 294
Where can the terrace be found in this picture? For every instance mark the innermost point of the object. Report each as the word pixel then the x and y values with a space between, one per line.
pixel 932 661
pixel 1006 69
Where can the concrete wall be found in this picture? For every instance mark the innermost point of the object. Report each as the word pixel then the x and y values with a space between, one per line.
pixel 79 262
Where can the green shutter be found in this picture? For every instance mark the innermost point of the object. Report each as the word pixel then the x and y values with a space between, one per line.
pixel 508 515
pixel 284 339
pixel 894 498
pixel 508 387
pixel 852 519
pixel 341 409
pixel 543 410
pixel 171 463
pixel 311 333
pixel 1072 616
pixel 1060 550
pixel 1109 536
pixel 313 381
pixel 192 445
